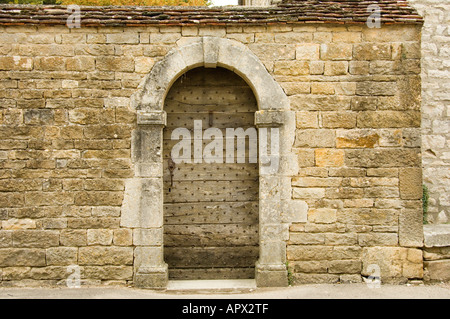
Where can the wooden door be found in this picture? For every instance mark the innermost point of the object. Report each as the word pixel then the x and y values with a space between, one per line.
pixel 210 209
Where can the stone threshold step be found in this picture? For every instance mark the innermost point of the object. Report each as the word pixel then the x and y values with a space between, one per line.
pixel 225 285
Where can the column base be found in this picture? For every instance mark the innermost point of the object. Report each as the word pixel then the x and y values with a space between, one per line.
pixel 271 275
pixel 152 278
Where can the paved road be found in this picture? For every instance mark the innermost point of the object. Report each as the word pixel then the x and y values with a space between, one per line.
pixel 340 291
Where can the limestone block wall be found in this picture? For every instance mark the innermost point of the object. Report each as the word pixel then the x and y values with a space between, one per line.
pixel 65 149
pixel 435 106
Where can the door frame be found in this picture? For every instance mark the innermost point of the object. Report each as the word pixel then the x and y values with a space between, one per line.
pixel 142 207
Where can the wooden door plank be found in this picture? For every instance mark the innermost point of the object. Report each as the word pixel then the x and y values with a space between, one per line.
pixel 211 213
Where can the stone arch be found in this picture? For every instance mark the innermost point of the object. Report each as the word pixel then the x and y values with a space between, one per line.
pixel 210 52
pixel 142 208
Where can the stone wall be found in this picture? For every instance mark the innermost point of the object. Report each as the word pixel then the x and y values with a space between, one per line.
pixel 436 253
pixel 435 106
pixel 66 123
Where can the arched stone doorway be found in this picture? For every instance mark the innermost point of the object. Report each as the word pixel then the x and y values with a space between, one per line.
pixel 142 208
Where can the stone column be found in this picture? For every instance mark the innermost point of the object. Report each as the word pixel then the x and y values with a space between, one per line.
pixel 270 269
pixel 150 269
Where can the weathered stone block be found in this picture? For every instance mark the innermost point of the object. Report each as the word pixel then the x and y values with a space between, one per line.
pixel 99 237
pixel 315 138
pixel 359 67
pixel 123 38
pixel 329 157
pixel 347 37
pixel 385 158
pixel 376 88
pixel 15 63
pixel 336 51
pixel 308 193
pixel 410 183
pixel 73 238
pixel 367 216
pixel 338 119
pixel 273 51
pixel 378 239
pixel 391 34
pixel 80 63
pixel 143 64
pixel 307 52
pixel 307 120
pixel 98 198
pixel 108 272
pixel 301 279
pixel 372 51
pixel 344 267
pixel 147 236
pixel 14 224
pixel 5 238
pixel 356 139
pixel 38 117
pixel 306 239
pixel 146 257
pixel 410 230
pixel 322 88
pixel 316 68
pixel 392 262
pixel 437 235
pixel 11 199
pixel 105 256
pixel 60 256
pixel 271 275
pixel 319 252
pixel 334 68
pixel 143 195
pixel 293 37
pixel 306 181
pixel 294 211
pixel 346 252
pixel 324 36
pixel 117 64
pixel 346 172
pixel 320 102
pixel 322 215
pixel 389 119
pixel 292 88
pixel 438 270
pixel 123 237
pixel 349 239
pixel 291 68
pixel 13 257
pixel 309 266
pixel 305 157
pixel 93 222
pixel 35 238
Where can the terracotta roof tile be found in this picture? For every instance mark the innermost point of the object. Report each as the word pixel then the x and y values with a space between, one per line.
pixel 288 11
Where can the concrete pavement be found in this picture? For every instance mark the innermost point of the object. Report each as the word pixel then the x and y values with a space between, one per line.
pixel 319 291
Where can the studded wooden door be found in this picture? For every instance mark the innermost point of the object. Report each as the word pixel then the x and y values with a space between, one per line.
pixel 210 209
